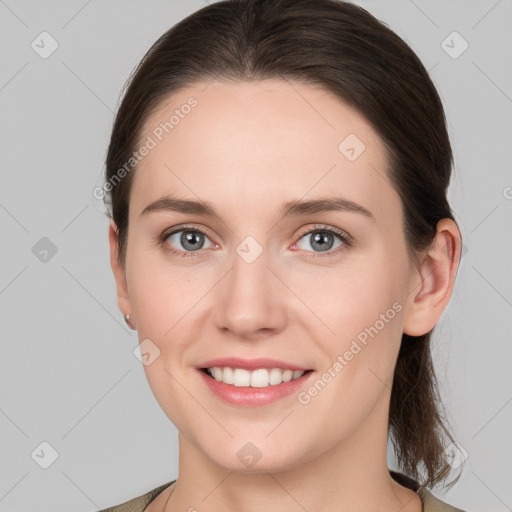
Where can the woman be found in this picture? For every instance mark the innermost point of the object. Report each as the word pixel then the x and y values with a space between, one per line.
pixel 282 242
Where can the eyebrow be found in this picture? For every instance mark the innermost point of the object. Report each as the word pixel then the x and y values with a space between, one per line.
pixel 291 208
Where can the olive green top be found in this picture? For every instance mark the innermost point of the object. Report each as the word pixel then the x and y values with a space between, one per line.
pixel 430 502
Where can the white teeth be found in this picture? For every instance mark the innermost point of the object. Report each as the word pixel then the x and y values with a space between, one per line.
pixel 260 378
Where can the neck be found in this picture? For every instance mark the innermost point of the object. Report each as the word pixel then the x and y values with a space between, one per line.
pixel 350 476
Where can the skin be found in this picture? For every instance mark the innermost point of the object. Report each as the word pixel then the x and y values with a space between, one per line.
pixel 247 147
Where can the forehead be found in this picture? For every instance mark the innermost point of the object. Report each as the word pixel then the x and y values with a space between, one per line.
pixel 244 144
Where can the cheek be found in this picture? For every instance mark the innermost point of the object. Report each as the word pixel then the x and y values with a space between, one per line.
pixel 361 312
pixel 352 296
pixel 161 292
pixel 362 353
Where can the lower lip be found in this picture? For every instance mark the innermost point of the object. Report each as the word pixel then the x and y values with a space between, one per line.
pixel 252 397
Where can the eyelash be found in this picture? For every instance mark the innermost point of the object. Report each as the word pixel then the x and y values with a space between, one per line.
pixel 344 237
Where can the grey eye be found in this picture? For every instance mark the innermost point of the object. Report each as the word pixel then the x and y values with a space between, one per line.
pixel 321 240
pixel 190 240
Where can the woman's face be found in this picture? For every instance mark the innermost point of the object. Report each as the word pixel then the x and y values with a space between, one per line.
pixel 251 283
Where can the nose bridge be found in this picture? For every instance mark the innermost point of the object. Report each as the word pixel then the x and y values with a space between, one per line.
pixel 249 279
pixel 248 299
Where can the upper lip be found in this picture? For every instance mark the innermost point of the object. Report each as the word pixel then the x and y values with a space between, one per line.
pixel 251 364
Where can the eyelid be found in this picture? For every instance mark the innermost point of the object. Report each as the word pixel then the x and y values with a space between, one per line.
pixel 184 227
pixel 345 237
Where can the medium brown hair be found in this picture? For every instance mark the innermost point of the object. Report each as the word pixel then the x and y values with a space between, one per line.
pixel 346 50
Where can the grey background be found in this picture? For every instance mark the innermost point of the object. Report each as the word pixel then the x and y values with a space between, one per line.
pixel 68 373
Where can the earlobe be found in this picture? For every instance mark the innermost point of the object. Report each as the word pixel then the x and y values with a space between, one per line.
pixel 123 299
pixel 436 274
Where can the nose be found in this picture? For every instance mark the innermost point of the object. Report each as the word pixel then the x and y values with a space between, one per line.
pixel 251 299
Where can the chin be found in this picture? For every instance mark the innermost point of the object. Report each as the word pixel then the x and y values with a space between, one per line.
pixel 256 457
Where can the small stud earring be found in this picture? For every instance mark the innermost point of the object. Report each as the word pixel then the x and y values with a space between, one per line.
pixel 128 321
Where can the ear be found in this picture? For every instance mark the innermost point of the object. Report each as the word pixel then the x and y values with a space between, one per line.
pixel 434 280
pixel 123 300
